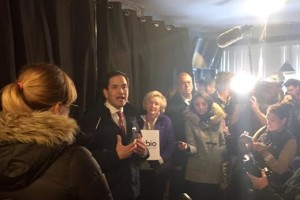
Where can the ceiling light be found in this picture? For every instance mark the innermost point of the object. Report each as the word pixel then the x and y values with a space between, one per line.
pixel 263 8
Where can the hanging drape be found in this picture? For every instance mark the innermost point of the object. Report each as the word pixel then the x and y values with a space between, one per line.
pixel 150 52
pixel 50 31
pixel 7 56
pixel 86 38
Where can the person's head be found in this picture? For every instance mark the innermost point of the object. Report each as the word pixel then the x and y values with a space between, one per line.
pixel 154 102
pixel 115 88
pixel 39 87
pixel 266 93
pixel 277 116
pixel 185 84
pixel 223 82
pixel 201 103
pixel 293 87
pixel 211 86
pixel 201 85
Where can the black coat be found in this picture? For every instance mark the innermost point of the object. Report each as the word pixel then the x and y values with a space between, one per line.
pixel 101 138
pixel 36 161
pixel 176 107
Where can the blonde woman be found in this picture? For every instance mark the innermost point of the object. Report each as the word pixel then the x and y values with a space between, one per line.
pixel 154 174
pixel 36 159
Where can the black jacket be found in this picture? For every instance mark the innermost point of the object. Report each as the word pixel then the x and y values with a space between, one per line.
pixel 176 107
pixel 37 161
pixel 101 138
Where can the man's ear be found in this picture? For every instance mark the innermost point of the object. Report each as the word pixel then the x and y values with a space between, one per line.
pixel 105 93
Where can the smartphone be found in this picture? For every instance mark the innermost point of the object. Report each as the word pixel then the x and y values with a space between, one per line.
pixel 177 142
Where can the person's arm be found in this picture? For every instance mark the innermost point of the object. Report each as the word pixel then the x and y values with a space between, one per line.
pixel 141 148
pixel 112 155
pixel 190 138
pixel 168 134
pixel 259 133
pixel 255 108
pixel 262 185
pixel 286 156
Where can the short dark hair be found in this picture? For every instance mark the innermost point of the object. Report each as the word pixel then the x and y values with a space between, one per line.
pixel 223 80
pixel 111 74
pixel 293 82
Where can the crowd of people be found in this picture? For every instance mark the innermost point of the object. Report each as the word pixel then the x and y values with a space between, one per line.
pixel 206 135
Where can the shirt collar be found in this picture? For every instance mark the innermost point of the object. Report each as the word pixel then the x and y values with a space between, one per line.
pixel 111 108
pixel 186 100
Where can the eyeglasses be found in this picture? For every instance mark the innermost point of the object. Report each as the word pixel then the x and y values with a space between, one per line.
pixel 73 105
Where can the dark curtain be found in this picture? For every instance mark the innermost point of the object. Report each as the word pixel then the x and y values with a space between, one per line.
pixel 56 31
pixel 7 56
pixel 150 52
pixel 136 49
pixel 118 48
pixel 86 38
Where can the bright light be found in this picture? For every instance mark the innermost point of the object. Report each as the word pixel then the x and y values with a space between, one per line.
pixel 263 8
pixel 243 83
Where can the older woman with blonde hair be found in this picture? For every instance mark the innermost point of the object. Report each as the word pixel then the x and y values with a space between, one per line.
pixel 37 160
pixel 154 174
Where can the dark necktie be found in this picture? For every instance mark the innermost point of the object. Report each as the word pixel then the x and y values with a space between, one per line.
pixel 121 122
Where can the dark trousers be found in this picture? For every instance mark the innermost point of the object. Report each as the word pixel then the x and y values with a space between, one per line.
pixel 177 183
pixel 153 185
pixel 204 191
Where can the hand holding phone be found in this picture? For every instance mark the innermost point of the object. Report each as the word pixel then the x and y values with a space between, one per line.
pixel 181 145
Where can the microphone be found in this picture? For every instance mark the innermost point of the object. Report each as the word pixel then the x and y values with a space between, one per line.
pixel 231 36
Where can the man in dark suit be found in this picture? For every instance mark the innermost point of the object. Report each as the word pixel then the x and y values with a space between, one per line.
pixel 176 105
pixel 114 137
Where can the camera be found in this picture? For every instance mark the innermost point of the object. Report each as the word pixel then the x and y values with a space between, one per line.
pixel 251 166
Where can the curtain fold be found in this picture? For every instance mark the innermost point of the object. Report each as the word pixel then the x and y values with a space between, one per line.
pixel 87 38
pixel 59 32
pixel 7 56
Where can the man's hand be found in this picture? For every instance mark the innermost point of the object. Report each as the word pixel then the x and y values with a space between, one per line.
pixel 125 151
pixel 142 148
pixel 254 104
pixel 259 183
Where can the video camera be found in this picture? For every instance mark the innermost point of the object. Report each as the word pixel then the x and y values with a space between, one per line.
pixel 251 165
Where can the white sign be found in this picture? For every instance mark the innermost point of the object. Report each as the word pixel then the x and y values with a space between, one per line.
pixel 151 139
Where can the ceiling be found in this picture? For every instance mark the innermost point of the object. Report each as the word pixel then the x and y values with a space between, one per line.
pixel 216 16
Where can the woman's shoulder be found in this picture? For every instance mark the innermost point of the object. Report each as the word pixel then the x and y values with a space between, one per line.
pixel 78 152
pixel 191 117
pixel 79 158
pixel 163 116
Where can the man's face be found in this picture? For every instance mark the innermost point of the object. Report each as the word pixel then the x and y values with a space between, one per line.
pixel 185 85
pixel 293 90
pixel 117 92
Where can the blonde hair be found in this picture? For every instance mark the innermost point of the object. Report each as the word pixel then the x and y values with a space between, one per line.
pixel 163 103
pixel 38 88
